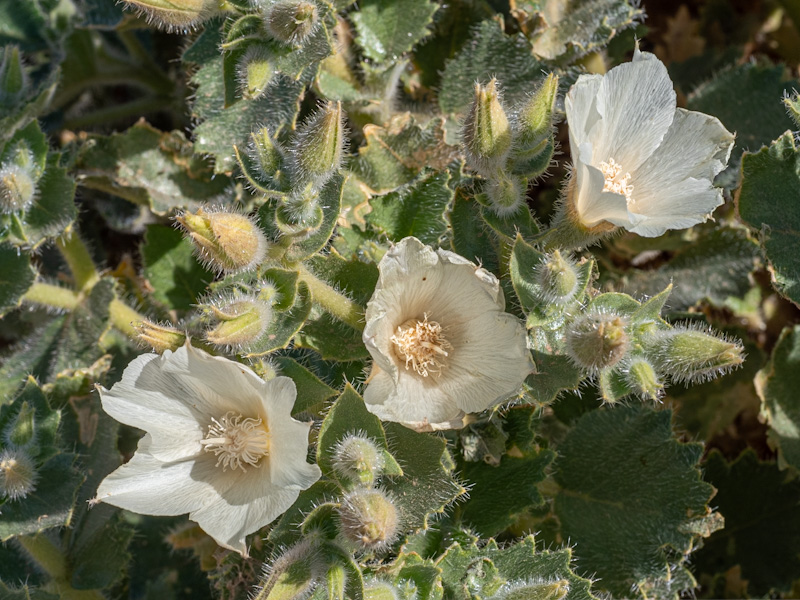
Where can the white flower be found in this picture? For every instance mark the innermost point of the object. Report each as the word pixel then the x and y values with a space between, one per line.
pixel 440 338
pixel 640 162
pixel 220 444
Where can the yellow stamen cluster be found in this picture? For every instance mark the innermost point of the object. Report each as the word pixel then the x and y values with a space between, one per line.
pixel 237 441
pixel 614 183
pixel 421 344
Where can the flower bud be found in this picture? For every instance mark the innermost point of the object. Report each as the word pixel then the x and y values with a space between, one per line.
pixel 380 590
pixel 292 21
pixel 690 355
pixel 17 188
pixel 254 72
pixel 642 378
pixel 369 518
pixel 21 430
pixel 536 589
pixel 292 575
pixel 242 321
pixel 358 459
pixel 558 280
pixel 226 241
pixel 159 337
pixel 597 340
pixel 506 194
pixel 265 153
pixel 175 15
pixel 487 131
pixel 18 474
pixel 792 104
pixel 533 146
pixel 318 146
pixel 300 215
pixel 13 78
pixel 336 578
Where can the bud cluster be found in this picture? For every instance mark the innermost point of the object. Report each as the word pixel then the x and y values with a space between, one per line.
pixel 18 470
pixel 19 178
pixel 508 151
pixel 241 318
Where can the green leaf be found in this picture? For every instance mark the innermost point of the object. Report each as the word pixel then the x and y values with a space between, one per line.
pixel 554 374
pixel 573 28
pixel 312 393
pixel 354 278
pixel 762 526
pixel 416 210
pixel 176 277
pixel 714 267
pixel 332 339
pixel 746 98
pixel 387 30
pixel 777 384
pixel 16 276
pixel 284 326
pixel 490 53
pixel 628 491
pixel 396 154
pixel 472 239
pixel 768 202
pixel 149 167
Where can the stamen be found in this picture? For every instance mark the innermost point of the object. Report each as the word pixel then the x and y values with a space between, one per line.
pixel 237 441
pixel 421 344
pixel 614 183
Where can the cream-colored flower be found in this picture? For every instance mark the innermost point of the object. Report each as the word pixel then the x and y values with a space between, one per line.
pixel 640 162
pixel 220 444
pixel 441 341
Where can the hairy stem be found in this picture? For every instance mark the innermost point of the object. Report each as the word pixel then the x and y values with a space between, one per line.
pixel 123 317
pixel 54 296
pixel 79 260
pixel 332 301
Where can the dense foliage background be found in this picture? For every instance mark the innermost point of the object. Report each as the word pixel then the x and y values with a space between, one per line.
pixel 580 489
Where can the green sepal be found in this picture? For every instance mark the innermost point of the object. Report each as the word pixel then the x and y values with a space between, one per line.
pixel 16 276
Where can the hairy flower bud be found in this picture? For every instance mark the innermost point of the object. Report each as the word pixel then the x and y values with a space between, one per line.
pixel 690 355
pixel 159 337
pixel 175 15
pixel 254 72
pixel 336 578
pixel 557 276
pixel 535 589
pixel 13 78
pixel 358 459
pixel 318 146
pixel 226 241
pixel 534 125
pixel 18 474
pixel 241 321
pixel 21 430
pixel 17 188
pixel 597 340
pixel 369 518
pixel 487 131
pixel 292 21
pixel 642 378
pixel 265 153
pixel 300 214
pixel 292 575
pixel 506 194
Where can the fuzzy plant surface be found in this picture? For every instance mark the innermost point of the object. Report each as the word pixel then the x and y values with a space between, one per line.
pixel 399 299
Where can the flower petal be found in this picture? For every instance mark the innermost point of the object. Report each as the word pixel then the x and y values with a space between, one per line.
pixel 592 204
pixel 637 104
pixel 581 108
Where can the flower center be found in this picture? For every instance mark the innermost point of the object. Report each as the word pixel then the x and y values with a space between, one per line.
pixel 615 181
pixel 422 345
pixel 235 440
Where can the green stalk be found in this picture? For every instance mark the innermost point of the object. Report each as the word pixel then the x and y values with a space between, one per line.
pixel 52 561
pixel 332 301
pixel 79 260
pixel 123 317
pixel 52 295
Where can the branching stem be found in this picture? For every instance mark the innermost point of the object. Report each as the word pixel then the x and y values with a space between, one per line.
pixel 332 301
pixel 79 260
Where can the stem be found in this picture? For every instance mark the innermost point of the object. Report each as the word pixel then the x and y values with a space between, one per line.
pixel 52 295
pixel 123 317
pixel 51 560
pixel 109 114
pixel 328 298
pixel 78 259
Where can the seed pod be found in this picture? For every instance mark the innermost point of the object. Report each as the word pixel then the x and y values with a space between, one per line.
pixel 597 340
pixel 690 355
pixel 557 276
pixel 318 146
pixel 292 21
pixel 159 337
pixel 487 131
pixel 369 518
pixel 358 459
pixel 226 241
pixel 18 474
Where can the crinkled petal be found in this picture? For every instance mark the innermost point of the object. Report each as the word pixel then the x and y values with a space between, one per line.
pixel 636 102
pixel 412 399
pixel 581 108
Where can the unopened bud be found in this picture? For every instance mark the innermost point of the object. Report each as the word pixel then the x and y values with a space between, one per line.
pixel 535 589
pixel 175 15
pixel 318 146
pixel 254 72
pixel 380 590
pixel 159 337
pixel 487 131
pixel 597 340
pixel 358 460
pixel 690 355
pixel 18 474
pixel 21 430
pixel 265 153
pixel 13 78
pixel 557 276
pixel 642 378
pixel 792 104
pixel 369 518
pixel 533 148
pixel 336 578
pixel 300 215
pixel 242 321
pixel 292 21
pixel 226 241
pixel 17 188
pixel 506 194
pixel 291 575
